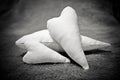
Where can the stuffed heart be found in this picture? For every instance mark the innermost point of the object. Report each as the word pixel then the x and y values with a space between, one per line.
pixel 65 34
pixel 65 31
pixel 44 37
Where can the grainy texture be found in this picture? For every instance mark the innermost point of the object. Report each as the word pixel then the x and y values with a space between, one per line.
pixel 28 16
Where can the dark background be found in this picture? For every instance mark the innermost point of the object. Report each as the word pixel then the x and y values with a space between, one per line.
pixel 98 19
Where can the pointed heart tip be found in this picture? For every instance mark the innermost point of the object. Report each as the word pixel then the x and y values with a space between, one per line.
pixel 67 60
pixel 108 44
pixel 104 44
pixel 86 67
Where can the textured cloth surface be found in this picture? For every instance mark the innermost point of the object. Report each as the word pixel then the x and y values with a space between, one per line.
pixel 95 21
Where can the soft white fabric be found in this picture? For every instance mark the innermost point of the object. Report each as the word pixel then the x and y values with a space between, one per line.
pixel 44 37
pixel 41 47
pixel 65 31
